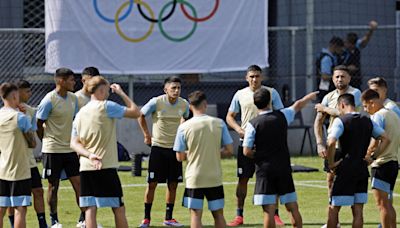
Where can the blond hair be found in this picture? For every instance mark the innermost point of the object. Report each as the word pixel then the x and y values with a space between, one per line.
pixel 95 82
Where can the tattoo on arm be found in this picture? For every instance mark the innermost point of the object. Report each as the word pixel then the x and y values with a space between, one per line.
pixel 30 139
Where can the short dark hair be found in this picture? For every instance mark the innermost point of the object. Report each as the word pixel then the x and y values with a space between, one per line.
pixel 23 84
pixel 254 68
pixel 197 97
pixel 262 97
pixel 63 73
pixel 352 37
pixel 379 81
pixel 369 94
pixel 336 41
pixel 347 99
pixel 342 68
pixel 172 79
pixel 91 71
pixel 6 88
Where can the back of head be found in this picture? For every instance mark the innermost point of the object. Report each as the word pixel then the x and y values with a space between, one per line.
pixel 346 99
pixel 369 94
pixel 196 98
pixel 23 84
pixel 90 71
pixel 379 81
pixel 261 97
pixel 254 68
pixel 336 41
pixel 63 73
pixel 352 38
pixel 7 88
pixel 95 82
pixel 172 79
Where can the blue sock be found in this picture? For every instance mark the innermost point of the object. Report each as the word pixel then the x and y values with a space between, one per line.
pixel 239 212
pixel 42 220
pixel 54 218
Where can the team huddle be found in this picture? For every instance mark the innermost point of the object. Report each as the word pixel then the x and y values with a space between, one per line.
pixel 79 143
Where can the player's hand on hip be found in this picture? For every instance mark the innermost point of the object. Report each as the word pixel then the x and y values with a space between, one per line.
pixel 322 152
pixel 96 161
pixel 241 133
pixel 147 140
pixel 333 166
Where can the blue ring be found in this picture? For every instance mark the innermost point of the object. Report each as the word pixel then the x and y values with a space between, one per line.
pixel 109 20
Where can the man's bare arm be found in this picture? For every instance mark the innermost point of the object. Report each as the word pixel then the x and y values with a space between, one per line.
pixel 30 139
pixel 230 120
pixel 321 145
pixel 40 128
pixel 181 156
pixel 145 130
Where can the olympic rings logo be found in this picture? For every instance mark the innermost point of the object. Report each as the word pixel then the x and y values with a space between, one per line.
pixel 121 14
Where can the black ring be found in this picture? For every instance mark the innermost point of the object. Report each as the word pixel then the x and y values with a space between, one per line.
pixel 156 20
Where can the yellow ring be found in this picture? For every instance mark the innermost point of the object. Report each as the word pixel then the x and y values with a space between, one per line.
pixel 125 37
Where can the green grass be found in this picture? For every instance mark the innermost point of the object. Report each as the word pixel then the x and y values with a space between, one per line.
pixel 310 187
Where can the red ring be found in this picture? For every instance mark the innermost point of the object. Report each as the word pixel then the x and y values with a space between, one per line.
pixel 203 18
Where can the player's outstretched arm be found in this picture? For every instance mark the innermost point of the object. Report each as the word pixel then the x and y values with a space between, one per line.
pixel 373 25
pixel 132 110
pixel 301 103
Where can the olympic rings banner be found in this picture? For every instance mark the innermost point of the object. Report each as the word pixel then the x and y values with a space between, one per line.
pixel 156 36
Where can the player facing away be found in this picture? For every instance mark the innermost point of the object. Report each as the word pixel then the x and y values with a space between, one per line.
pixel 24 91
pixel 16 137
pixel 379 84
pixel 199 141
pixel 55 114
pixel 384 163
pixel 265 140
pixel 242 103
pixel 350 186
pixel 83 94
pixel 168 112
pixel 94 139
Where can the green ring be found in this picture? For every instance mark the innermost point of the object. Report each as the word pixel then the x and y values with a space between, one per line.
pixel 179 39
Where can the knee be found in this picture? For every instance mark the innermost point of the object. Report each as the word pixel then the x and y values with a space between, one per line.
pixel 243 182
pixel 172 186
pixel 152 186
pixel 37 193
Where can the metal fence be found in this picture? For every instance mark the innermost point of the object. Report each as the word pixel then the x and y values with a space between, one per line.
pixel 22 55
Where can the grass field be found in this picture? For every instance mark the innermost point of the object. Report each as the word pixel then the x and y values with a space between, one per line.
pixel 310 187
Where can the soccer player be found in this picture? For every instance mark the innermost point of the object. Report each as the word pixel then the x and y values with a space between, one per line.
pixel 242 102
pixel 329 107
pixel 24 90
pixel 16 138
pixel 83 94
pixel 385 164
pixel 199 141
pixel 167 112
pixel 267 133
pixel 353 131
pixel 94 139
pixel 56 111
pixel 379 84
